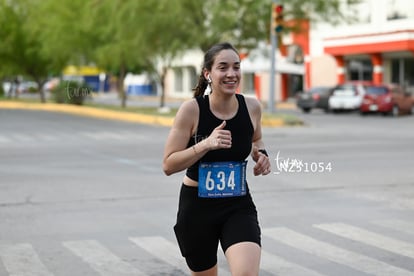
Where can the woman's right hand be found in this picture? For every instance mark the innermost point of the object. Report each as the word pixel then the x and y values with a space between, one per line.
pixel 220 138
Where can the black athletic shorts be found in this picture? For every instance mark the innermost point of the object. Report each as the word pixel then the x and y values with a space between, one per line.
pixel 203 222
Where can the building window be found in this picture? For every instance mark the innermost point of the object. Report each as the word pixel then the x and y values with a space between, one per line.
pixel 360 70
pixel 295 54
pixel 193 77
pixel 178 80
pixel 184 80
pixel 402 72
pixel 361 12
pixel 397 9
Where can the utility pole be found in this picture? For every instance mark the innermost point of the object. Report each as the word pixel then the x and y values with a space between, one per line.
pixel 275 32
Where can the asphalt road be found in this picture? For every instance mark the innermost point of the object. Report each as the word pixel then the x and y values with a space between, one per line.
pixel 82 196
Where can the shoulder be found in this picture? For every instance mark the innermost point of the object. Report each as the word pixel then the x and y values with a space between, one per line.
pixel 253 105
pixel 189 105
pixel 187 114
pixel 255 110
pixel 188 108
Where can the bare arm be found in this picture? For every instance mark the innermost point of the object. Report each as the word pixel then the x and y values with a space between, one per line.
pixel 262 166
pixel 177 156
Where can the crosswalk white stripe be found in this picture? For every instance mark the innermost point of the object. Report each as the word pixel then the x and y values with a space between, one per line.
pixel 106 135
pixel 162 249
pixel 4 139
pixel 133 136
pixel 394 200
pixel 166 251
pixel 46 137
pixel 281 267
pixel 22 260
pixel 22 137
pixel 99 136
pixel 368 237
pixel 394 224
pixel 101 259
pixel 333 253
pixel 112 135
pixel 94 135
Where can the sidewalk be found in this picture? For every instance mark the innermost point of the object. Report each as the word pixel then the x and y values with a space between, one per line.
pixel 91 112
pixel 154 101
pixel 112 99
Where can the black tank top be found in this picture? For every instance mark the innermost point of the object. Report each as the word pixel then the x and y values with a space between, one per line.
pixel 241 128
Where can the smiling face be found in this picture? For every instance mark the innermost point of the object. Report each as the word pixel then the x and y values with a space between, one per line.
pixel 225 73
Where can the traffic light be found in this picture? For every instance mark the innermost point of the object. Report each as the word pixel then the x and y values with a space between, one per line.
pixel 278 18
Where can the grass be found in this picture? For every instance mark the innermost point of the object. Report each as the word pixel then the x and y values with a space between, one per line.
pixel 288 119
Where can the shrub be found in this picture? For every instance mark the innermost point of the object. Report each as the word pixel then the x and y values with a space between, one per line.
pixel 71 92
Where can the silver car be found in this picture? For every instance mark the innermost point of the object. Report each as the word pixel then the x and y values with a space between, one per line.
pixel 347 96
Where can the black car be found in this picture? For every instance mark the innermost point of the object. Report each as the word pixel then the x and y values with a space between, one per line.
pixel 316 97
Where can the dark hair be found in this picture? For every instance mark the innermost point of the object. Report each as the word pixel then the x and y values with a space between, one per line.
pixel 209 57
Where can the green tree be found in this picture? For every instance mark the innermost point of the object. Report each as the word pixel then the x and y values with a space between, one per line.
pixel 330 11
pixel 241 22
pixel 60 27
pixel 66 41
pixel 137 34
pixel 116 32
pixel 167 35
pixel 20 45
pixel 247 22
pixel 40 37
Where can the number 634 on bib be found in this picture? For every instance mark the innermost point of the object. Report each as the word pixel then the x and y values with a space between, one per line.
pixel 222 179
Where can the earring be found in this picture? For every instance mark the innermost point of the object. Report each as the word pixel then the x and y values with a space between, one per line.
pixel 208 88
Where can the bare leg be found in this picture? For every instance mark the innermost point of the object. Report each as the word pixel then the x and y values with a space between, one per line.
pixel 244 259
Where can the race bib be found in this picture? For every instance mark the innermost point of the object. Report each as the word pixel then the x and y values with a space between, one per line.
pixel 222 179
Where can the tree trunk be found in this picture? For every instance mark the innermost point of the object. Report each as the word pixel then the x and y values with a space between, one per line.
pixel 40 84
pixel 121 90
pixel 163 75
pixel 42 96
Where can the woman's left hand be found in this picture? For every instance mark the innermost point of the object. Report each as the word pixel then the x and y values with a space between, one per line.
pixel 262 166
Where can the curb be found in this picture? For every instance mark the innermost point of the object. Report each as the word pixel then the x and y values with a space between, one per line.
pixel 91 112
pixel 273 122
pixel 111 114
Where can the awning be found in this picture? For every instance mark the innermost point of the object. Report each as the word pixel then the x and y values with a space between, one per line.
pixel 72 70
pixel 370 43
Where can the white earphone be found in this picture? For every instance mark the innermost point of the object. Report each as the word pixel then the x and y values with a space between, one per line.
pixel 208 88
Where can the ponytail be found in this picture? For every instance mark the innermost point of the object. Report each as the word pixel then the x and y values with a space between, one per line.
pixel 201 86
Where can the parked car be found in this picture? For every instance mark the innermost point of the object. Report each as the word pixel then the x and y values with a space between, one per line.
pixel 348 96
pixel 316 97
pixel 51 84
pixel 387 99
pixel 27 86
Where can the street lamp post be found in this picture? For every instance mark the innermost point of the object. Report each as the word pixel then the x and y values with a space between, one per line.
pixel 271 104
pixel 275 31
